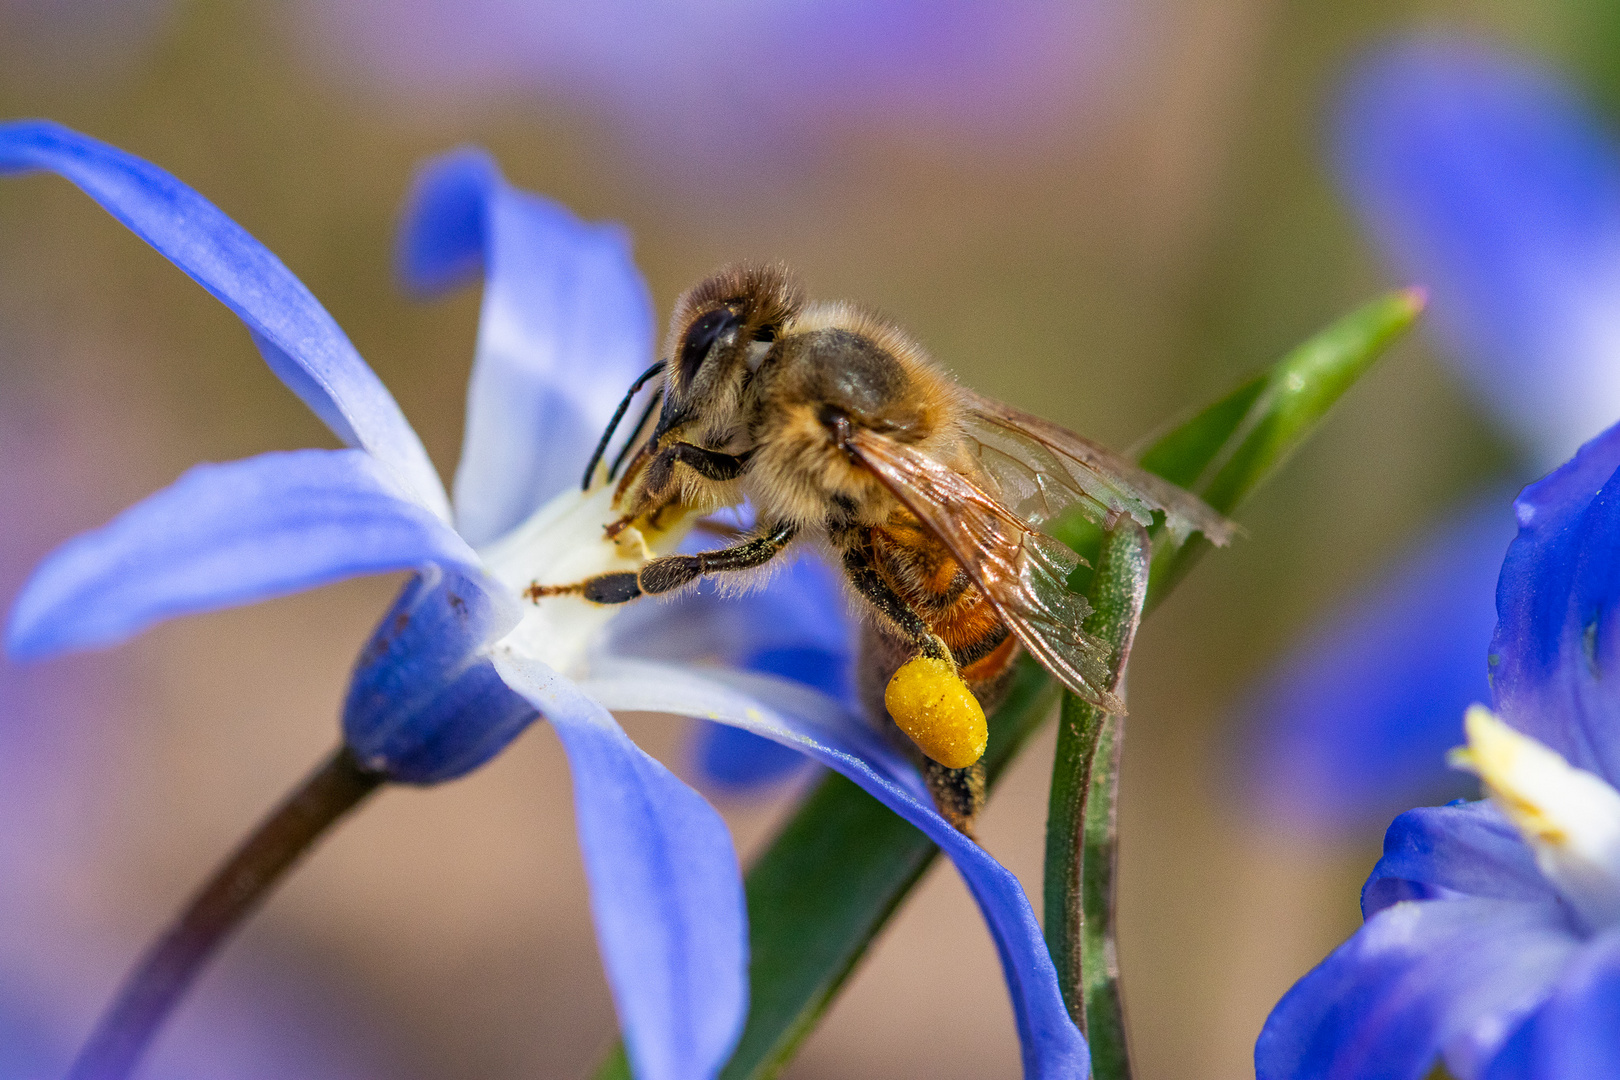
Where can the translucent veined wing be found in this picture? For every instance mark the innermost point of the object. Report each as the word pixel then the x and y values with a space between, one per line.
pixel 1043 469
pixel 1021 571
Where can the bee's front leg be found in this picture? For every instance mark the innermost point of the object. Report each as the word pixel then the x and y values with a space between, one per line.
pixel 673 571
pixel 658 476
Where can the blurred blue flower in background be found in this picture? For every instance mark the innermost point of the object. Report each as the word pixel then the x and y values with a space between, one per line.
pixel 462 663
pixel 724 79
pixel 1493 928
pixel 1486 179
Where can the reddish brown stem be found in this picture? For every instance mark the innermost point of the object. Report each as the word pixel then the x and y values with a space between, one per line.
pixel 155 987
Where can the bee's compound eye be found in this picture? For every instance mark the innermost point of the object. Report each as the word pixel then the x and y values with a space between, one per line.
pixel 701 337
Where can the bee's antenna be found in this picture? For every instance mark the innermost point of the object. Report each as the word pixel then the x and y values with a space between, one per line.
pixel 630 440
pixel 613 424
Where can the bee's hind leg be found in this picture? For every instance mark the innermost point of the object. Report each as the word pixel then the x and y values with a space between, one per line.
pixel 918 685
pixel 959 794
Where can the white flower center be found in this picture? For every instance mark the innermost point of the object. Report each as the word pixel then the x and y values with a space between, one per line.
pixel 1568 816
pixel 563 543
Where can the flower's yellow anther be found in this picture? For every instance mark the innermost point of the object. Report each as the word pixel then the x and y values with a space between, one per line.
pixel 1569 817
pixel 1512 766
pixel 932 704
pixel 632 544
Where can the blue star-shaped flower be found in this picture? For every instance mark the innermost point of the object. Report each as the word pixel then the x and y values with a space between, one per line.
pixel 462 662
pixel 1492 937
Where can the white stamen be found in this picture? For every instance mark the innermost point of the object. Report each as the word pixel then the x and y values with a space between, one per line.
pixel 1568 816
pixel 563 543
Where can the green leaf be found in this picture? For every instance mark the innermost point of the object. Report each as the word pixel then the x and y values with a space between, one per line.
pixel 843 864
pixel 1296 394
pixel 1225 452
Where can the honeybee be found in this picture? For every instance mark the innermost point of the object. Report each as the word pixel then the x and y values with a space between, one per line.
pixel 841 431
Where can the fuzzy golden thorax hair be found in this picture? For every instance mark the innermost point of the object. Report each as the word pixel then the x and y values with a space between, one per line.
pixel 838 360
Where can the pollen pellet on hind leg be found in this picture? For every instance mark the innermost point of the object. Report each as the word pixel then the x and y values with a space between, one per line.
pixel 931 704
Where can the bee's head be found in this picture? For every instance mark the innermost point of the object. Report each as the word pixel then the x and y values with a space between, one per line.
pixel 721 332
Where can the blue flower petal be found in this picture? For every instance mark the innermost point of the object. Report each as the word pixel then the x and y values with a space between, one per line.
pixel 567 326
pixel 824 729
pixel 786 627
pixel 797 627
pixel 299 340
pixel 1420 979
pixel 1576 1034
pixel 224 535
pixel 1488 181
pixel 741 761
pixel 732 761
pixel 1355 724
pixel 1514 1061
pixel 425 704
pixel 1464 849
pixel 1556 654
pixel 666 890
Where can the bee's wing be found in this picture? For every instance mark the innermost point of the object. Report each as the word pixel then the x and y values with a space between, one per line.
pixel 1021 571
pixel 1043 469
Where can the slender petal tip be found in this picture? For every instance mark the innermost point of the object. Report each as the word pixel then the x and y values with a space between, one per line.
pixel 297 337
pixel 442 231
pixel 1416 298
pixel 224 535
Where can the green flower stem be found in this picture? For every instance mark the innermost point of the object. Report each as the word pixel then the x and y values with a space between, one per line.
pixel 843 864
pixel 1064 918
pixel 1099 956
pixel 1080 832
pixel 152 990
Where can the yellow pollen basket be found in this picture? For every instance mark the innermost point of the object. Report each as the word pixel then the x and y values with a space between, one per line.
pixel 932 704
